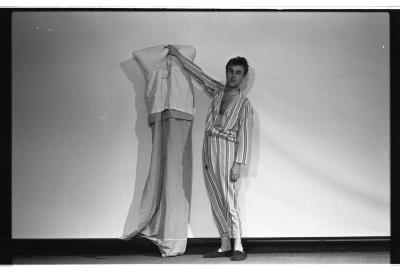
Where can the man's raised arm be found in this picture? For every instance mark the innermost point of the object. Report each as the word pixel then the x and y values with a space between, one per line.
pixel 209 84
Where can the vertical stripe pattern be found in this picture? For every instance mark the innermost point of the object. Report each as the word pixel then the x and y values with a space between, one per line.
pixel 218 158
pixel 226 141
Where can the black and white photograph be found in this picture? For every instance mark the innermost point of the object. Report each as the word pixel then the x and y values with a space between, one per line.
pixel 200 136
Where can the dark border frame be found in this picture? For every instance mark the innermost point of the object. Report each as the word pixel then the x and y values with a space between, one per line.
pixel 11 247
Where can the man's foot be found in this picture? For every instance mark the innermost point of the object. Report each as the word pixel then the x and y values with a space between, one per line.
pixel 238 256
pixel 217 254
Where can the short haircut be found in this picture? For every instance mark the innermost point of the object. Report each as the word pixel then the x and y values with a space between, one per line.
pixel 238 61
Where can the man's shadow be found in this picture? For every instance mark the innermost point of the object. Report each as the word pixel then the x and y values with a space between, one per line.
pixel 143 134
pixel 251 168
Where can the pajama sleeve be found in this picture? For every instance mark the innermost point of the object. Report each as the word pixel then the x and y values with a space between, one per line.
pixel 208 83
pixel 245 126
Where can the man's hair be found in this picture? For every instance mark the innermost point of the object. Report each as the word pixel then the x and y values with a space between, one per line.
pixel 238 61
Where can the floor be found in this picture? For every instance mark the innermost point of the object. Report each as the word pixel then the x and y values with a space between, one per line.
pixel 380 257
pixel 142 251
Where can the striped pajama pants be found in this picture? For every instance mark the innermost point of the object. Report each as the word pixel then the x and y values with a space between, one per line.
pixel 218 158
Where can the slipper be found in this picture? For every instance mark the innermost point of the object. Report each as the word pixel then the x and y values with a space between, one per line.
pixel 216 254
pixel 238 256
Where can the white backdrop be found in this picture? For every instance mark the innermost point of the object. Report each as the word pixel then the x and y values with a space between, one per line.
pixel 319 85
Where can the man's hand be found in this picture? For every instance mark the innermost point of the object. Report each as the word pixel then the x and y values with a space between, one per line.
pixel 172 50
pixel 235 172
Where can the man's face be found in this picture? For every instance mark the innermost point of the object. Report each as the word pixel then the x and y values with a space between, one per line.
pixel 234 75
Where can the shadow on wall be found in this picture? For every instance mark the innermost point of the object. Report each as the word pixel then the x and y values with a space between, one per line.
pixel 145 152
pixel 251 168
pixel 143 134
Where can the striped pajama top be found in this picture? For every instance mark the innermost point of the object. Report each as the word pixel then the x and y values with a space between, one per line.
pixel 235 124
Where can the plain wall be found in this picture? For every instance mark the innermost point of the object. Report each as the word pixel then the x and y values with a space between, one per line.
pixel 318 83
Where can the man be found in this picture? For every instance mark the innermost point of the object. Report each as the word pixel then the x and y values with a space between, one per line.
pixel 225 148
